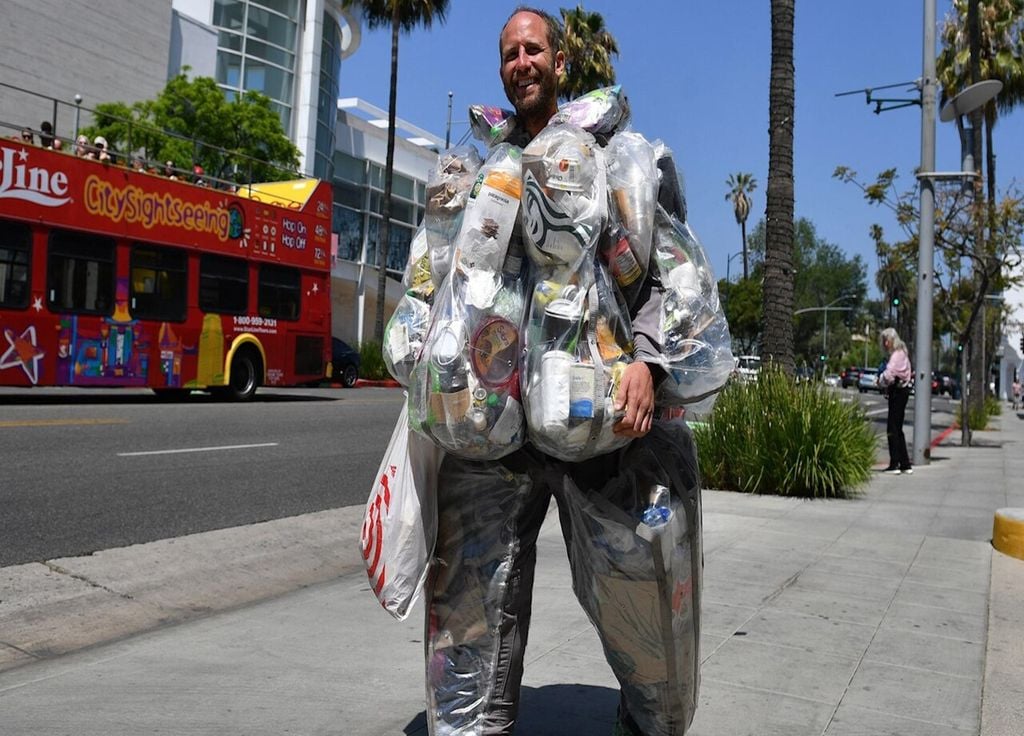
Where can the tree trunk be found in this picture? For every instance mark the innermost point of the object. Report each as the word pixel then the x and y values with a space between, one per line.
pixel 777 339
pixel 743 234
pixel 384 231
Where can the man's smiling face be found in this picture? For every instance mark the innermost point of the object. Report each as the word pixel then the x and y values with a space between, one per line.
pixel 530 68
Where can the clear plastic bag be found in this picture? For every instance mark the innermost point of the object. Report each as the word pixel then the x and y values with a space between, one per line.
pixel 564 205
pixel 601 111
pixel 404 333
pixel 448 188
pixel 464 388
pixel 693 330
pixel 637 572
pixel 492 125
pixel 632 194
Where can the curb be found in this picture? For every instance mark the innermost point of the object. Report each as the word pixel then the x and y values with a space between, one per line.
pixel 383 383
pixel 1008 532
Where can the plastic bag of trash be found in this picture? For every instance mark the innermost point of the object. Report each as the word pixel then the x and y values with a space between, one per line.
pixel 693 330
pixel 448 188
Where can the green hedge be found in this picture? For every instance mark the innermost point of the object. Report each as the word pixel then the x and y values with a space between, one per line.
pixel 371 362
pixel 774 436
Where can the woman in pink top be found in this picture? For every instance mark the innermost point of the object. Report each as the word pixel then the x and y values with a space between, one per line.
pixel 897 378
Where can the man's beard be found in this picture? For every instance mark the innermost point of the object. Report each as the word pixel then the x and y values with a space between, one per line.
pixel 538 104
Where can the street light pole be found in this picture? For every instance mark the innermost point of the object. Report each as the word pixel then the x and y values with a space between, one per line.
pixel 925 253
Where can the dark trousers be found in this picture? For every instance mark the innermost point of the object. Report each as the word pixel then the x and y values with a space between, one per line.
pixel 898 457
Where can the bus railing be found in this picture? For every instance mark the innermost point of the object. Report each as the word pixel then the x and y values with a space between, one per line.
pixel 63 113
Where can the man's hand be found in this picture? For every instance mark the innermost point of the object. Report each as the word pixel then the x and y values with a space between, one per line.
pixel 636 396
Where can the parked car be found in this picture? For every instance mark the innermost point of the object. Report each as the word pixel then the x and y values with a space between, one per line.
pixel 345 363
pixel 848 378
pixel 803 374
pixel 868 380
pixel 748 366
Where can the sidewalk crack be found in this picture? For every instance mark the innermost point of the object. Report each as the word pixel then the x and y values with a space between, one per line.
pixel 64 571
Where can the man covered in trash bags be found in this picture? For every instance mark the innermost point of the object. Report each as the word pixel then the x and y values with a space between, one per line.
pixel 538 376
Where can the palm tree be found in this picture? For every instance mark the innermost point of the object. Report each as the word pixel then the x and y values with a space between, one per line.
pixel 777 344
pixel 983 40
pixel 740 185
pixel 1000 31
pixel 399 15
pixel 588 48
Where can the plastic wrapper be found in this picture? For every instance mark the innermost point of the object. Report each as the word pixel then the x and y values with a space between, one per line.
pixel 564 197
pixel 637 571
pixel 693 330
pixel 492 125
pixel 448 189
pixel 491 212
pixel 632 193
pixel 417 276
pixel 601 111
pixel 578 344
pixel 404 335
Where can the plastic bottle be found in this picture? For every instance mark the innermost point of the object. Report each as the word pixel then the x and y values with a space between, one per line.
pixel 658 512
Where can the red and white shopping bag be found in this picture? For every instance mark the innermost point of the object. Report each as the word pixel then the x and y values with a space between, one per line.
pixel 400 521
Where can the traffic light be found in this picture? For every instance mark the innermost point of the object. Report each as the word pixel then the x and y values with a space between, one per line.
pixel 823 356
pixel 895 300
pixel 1022 343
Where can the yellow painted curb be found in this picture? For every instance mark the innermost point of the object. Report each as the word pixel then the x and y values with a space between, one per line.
pixel 1008 532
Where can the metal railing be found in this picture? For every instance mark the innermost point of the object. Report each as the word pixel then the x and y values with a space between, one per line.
pixel 70 113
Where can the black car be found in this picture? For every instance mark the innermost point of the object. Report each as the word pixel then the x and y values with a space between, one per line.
pixel 345 361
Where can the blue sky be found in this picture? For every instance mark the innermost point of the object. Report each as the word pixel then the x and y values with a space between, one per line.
pixel 697 76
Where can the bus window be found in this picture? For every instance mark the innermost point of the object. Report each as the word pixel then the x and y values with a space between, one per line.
pixel 15 257
pixel 159 281
pixel 80 273
pixel 279 292
pixel 223 284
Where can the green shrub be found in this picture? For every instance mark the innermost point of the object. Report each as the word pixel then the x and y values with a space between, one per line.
pixel 775 436
pixel 371 361
pixel 979 415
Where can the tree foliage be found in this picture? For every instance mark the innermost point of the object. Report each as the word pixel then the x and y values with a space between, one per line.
pixel 823 276
pixel 588 47
pixel 958 295
pixel 190 122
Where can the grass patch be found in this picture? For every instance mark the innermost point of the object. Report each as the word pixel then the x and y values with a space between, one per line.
pixel 774 436
pixel 371 362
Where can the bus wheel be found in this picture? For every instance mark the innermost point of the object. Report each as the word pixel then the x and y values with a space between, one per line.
pixel 246 369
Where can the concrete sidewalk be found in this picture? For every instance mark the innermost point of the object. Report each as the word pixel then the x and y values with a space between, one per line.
pixel 888 614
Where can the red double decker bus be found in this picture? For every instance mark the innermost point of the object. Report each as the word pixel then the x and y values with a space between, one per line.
pixel 113 277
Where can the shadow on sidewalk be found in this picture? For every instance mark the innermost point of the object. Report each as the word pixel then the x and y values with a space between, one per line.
pixel 554 710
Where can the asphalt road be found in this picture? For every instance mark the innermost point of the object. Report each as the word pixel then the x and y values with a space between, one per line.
pixel 82 471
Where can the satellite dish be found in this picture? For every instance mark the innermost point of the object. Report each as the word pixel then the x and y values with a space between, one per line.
pixel 970 99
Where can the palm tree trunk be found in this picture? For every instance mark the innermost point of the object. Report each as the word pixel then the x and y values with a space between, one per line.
pixel 743 234
pixel 384 232
pixel 777 341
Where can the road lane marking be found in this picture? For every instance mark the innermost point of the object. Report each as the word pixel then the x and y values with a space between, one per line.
pixel 59 422
pixel 196 449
